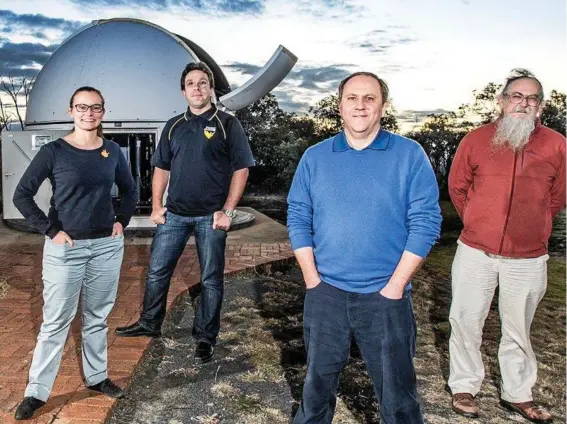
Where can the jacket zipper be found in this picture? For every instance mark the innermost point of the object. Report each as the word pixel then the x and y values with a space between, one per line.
pixel 509 203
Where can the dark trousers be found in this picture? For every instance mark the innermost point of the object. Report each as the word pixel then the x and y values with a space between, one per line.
pixel 167 246
pixel 385 333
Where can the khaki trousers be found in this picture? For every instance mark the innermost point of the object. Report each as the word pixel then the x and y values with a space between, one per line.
pixel 522 284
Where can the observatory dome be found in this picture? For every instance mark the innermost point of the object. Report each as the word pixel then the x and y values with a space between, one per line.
pixel 135 64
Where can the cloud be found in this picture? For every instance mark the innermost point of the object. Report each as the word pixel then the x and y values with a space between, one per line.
pixel 395 67
pixel 205 6
pixel 35 25
pixel 374 48
pixel 381 41
pixel 332 9
pixel 243 68
pixel 292 100
pixel 418 115
pixel 322 79
pixel 23 59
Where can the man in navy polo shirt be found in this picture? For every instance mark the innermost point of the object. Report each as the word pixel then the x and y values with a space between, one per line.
pixel 204 155
pixel 363 213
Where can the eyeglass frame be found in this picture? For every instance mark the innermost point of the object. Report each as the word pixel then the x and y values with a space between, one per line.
pixel 87 107
pixel 537 98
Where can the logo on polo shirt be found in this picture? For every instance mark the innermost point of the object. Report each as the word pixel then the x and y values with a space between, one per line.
pixel 210 131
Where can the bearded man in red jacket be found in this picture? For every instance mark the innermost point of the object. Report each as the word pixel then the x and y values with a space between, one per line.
pixel 507 183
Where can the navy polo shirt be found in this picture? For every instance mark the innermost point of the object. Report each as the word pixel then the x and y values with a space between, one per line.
pixel 201 152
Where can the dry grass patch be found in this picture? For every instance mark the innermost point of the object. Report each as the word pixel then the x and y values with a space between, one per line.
pixel 229 336
pixel 224 390
pixel 241 316
pixel 208 419
pixel 266 416
pixel 264 353
pixel 343 415
pixel 243 302
pixel 183 372
pixel 248 403
pixel 3 287
pixel 247 334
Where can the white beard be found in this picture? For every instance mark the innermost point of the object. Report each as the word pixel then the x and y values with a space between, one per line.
pixel 513 132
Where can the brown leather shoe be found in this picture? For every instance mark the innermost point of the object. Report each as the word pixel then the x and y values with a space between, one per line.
pixel 464 404
pixel 529 410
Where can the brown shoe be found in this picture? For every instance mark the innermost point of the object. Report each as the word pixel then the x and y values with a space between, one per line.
pixel 529 410
pixel 464 404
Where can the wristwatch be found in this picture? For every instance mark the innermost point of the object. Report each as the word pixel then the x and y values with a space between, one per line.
pixel 229 213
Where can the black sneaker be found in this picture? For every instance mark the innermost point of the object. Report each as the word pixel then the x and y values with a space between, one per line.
pixel 204 352
pixel 108 388
pixel 27 407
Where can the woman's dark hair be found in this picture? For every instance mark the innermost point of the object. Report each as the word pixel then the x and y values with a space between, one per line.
pixel 89 90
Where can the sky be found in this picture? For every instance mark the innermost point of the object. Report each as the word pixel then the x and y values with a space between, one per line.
pixel 432 53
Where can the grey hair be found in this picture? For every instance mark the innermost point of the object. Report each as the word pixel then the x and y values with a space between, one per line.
pixel 518 74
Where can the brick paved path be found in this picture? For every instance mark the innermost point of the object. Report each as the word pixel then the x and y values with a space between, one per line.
pixel 20 319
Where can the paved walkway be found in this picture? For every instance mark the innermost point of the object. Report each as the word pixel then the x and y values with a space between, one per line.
pixel 262 244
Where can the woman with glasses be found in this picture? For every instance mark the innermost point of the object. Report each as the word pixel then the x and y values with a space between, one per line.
pixel 84 245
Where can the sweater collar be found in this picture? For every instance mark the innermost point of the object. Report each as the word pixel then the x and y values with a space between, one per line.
pixel 380 142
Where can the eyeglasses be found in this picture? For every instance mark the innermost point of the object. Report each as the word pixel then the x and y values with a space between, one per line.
pixel 518 98
pixel 96 108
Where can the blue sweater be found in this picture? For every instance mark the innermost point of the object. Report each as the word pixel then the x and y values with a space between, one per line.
pixel 360 209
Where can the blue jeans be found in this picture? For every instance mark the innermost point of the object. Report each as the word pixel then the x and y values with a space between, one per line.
pixel 385 332
pixel 167 246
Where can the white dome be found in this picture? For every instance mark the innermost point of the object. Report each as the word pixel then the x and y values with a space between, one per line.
pixel 135 64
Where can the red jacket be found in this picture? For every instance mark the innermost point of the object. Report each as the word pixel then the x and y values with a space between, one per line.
pixel 507 200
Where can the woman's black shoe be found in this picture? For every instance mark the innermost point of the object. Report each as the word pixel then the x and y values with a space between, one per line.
pixel 27 407
pixel 108 388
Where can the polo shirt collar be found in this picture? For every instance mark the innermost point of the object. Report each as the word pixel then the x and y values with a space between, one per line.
pixel 380 142
pixel 207 115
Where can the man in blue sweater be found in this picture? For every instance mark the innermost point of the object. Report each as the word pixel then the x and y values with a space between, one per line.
pixel 363 214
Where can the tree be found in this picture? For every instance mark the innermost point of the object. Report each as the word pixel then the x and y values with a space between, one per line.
pixel 16 88
pixel 553 115
pixel 484 108
pixel 328 121
pixel 326 116
pixel 440 136
pixel 5 116
pixel 278 139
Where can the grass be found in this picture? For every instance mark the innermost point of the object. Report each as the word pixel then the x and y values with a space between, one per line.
pixel 556 281
pixel 270 333
pixel 3 287
pixel 262 357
